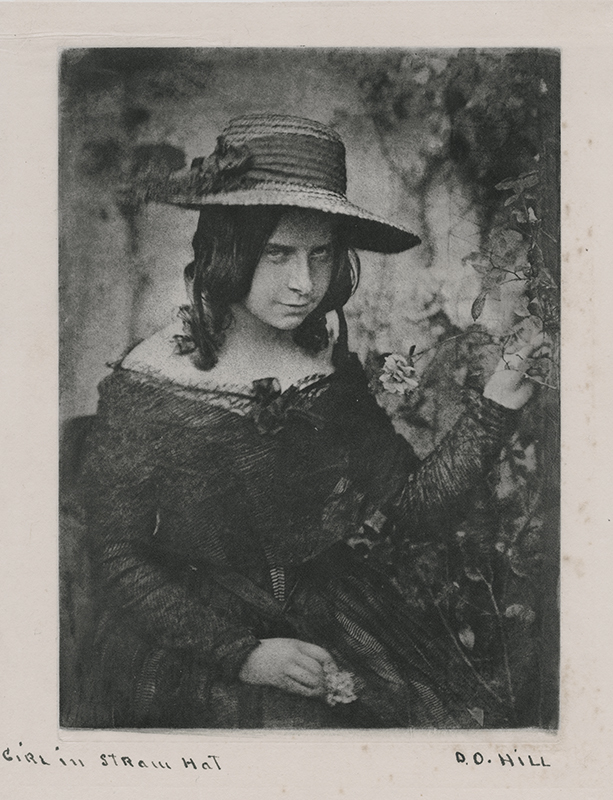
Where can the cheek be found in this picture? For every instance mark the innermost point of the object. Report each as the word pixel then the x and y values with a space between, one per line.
pixel 263 284
pixel 322 278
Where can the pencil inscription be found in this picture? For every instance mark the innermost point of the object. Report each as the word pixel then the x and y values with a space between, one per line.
pixel 19 756
pixel 504 759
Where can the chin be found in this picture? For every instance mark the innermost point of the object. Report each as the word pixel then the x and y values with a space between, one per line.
pixel 287 324
pixel 287 321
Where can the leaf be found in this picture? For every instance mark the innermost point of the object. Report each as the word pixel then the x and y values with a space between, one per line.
pixel 528 457
pixel 523 181
pixel 467 637
pixel 516 563
pixel 472 575
pixel 477 714
pixel 528 179
pixel 480 262
pixel 507 183
pixel 478 305
pixel 521 612
pixel 521 306
pixel 507 244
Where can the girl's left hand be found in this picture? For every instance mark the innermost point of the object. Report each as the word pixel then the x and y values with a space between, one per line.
pixel 509 386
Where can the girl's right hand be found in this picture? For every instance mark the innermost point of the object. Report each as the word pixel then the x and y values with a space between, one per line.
pixel 288 664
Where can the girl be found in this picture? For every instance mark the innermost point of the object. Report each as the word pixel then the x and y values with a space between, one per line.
pixel 237 459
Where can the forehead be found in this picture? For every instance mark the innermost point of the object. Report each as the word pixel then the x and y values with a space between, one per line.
pixel 301 225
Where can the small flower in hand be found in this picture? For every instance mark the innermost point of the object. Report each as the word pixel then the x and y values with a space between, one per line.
pixel 339 685
pixel 398 374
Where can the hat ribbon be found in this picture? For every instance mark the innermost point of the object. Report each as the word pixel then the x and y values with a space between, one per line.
pixel 220 172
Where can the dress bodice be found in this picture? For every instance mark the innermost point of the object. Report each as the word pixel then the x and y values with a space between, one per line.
pixel 182 483
pixel 235 469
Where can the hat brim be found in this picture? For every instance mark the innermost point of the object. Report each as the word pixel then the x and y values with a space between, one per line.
pixel 365 231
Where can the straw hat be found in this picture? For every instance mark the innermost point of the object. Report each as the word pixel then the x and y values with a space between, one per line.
pixel 269 159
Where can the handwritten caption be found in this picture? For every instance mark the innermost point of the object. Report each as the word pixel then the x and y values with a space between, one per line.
pixel 19 756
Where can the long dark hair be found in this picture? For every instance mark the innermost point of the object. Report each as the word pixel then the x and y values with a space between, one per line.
pixel 228 244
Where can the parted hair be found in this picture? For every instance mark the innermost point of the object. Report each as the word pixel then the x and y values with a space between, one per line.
pixel 228 245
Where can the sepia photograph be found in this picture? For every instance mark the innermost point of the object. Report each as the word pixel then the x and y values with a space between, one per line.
pixel 309 312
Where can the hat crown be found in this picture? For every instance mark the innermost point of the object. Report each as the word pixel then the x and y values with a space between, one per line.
pixel 243 129
pixel 288 150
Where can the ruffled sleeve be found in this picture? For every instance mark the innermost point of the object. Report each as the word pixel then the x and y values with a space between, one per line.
pixel 420 496
pixel 444 483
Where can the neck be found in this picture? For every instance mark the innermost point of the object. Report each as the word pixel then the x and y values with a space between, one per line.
pixel 252 350
pixel 249 334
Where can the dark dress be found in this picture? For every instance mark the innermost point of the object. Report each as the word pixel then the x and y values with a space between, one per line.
pixel 217 518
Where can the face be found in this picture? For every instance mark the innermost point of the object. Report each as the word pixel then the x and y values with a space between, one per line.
pixel 294 271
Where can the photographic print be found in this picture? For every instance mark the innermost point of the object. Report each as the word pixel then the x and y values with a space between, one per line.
pixel 309 388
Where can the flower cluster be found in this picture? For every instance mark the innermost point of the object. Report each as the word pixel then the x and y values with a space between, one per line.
pixel 398 375
pixel 339 686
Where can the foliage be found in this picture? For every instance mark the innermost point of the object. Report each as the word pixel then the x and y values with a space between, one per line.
pixel 490 581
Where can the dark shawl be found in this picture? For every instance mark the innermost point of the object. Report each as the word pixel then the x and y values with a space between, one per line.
pixel 183 486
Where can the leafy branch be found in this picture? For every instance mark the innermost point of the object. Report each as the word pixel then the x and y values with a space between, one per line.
pixel 516 249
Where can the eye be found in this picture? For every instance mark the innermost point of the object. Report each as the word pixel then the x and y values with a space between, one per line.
pixel 323 252
pixel 275 254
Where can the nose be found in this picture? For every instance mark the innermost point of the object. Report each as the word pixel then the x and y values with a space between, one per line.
pixel 299 278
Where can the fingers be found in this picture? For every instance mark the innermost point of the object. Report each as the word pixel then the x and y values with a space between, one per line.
pixel 527 350
pixel 288 664
pixel 304 677
pixel 519 360
pixel 314 651
pixel 310 665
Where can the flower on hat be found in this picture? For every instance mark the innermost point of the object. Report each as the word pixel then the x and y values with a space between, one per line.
pixel 398 375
